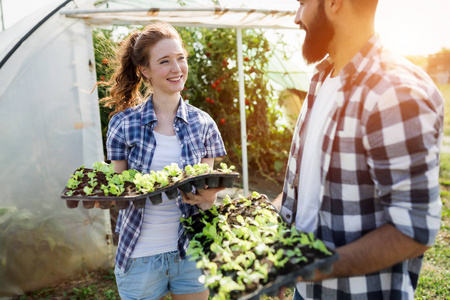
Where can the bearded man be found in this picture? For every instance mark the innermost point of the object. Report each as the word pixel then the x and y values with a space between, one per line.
pixel 363 169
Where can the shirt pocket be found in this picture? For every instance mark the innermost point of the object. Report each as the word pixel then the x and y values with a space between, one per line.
pixel 135 159
pixel 348 137
pixel 196 151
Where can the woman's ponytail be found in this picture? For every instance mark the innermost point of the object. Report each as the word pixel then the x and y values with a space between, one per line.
pixel 127 80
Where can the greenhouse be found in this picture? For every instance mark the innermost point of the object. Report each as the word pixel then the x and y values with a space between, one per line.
pixel 50 125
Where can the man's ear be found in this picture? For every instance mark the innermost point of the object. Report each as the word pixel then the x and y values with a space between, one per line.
pixel 333 5
pixel 144 72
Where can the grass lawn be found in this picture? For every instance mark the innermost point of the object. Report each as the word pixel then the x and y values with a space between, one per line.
pixel 434 280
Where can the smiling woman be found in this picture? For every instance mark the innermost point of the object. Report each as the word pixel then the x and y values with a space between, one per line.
pixel 147 133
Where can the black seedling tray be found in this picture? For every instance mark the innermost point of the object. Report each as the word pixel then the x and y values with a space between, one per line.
pixel 212 180
pixel 104 201
pixel 199 182
pixel 324 265
pixel 286 277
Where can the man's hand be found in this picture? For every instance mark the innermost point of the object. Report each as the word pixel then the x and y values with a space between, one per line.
pixel 318 276
pixel 204 199
pixel 277 201
pixel 282 292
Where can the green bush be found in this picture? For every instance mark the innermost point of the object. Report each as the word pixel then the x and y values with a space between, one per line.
pixel 444 171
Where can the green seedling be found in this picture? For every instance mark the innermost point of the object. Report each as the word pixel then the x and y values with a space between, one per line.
pixel 144 183
pixel 88 190
pixel 227 200
pixel 116 190
pixel 78 174
pixel 107 169
pixel 105 189
pixel 128 175
pixel 73 183
pixel 162 179
pixel 174 171
pixel 226 169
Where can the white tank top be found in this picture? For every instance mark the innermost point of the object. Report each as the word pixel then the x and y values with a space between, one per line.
pixel 159 232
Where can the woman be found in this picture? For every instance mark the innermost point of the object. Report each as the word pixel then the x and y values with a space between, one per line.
pixel 147 135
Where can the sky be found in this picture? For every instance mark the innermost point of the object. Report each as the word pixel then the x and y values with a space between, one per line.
pixel 407 27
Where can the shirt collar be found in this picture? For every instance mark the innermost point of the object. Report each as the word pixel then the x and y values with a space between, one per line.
pixel 372 46
pixel 149 115
pixel 182 112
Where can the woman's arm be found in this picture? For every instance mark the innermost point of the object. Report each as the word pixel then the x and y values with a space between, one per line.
pixel 120 165
pixel 209 161
pixel 205 198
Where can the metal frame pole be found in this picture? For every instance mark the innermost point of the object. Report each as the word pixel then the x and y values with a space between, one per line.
pixel 1 12
pixel 242 110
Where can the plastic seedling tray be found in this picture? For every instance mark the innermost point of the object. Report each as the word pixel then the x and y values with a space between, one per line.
pixel 226 181
pixel 278 277
pixel 104 201
pixel 215 179
pixel 324 265
pixel 156 198
pixel 199 182
pixel 185 187
pixel 171 193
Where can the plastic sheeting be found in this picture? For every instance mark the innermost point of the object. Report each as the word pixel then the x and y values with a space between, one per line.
pixel 288 73
pixel 48 128
pixel 195 17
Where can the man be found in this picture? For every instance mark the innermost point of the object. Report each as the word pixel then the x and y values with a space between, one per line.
pixel 364 162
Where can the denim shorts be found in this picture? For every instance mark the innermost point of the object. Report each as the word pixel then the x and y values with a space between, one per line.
pixel 152 277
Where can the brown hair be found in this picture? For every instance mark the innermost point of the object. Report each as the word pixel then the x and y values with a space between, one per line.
pixel 134 51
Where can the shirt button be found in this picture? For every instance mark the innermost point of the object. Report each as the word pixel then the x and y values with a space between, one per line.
pixel 183 215
pixel 288 216
pixel 176 129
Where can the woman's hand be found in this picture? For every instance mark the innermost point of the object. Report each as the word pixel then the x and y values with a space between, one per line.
pixel 204 198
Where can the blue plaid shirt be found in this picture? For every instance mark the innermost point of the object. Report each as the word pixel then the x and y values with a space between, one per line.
pixel 130 136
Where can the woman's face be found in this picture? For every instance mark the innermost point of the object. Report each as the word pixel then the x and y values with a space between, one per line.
pixel 168 68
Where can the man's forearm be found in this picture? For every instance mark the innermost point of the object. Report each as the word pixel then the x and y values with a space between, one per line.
pixel 377 250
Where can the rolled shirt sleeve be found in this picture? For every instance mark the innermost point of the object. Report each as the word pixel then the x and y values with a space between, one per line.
pixel 115 138
pixel 402 140
pixel 213 143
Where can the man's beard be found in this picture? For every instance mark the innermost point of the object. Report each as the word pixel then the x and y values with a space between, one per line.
pixel 318 36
